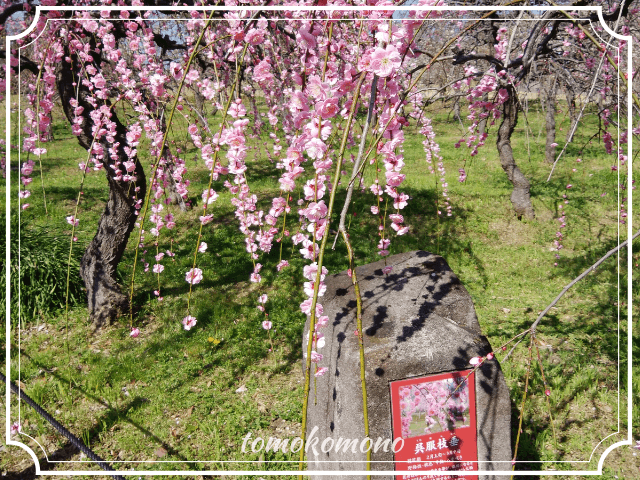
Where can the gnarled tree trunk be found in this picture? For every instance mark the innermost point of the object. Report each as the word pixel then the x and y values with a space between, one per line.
pixel 520 197
pixel 99 263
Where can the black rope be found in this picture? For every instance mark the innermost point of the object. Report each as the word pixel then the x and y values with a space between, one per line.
pixel 72 438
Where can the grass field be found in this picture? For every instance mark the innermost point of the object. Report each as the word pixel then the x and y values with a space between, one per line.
pixel 190 397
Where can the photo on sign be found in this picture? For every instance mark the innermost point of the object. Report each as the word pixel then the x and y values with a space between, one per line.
pixel 433 407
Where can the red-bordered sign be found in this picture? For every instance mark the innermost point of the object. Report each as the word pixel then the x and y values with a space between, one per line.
pixel 436 417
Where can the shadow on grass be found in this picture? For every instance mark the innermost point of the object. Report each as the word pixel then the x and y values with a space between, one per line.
pixel 594 342
pixel 112 415
pixel 228 309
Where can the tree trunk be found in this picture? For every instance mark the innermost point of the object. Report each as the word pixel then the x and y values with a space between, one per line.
pixel 200 103
pixel 100 261
pixel 520 197
pixel 482 125
pixel 573 113
pixel 456 110
pixel 171 189
pixel 550 100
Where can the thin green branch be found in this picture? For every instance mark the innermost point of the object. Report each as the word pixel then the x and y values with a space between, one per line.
pixel 312 320
pixel 356 288
pixel 524 399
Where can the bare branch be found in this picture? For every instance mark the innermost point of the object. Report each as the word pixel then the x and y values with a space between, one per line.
pixel 356 166
pixel 578 278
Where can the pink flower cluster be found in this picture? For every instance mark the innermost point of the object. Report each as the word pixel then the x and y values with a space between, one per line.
pixel 481 110
pixel 432 151
pixel 25 179
pixel 310 272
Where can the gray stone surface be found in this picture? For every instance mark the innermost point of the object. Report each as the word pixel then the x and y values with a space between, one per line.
pixel 417 320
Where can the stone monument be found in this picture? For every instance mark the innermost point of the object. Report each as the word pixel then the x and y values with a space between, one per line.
pixel 418 322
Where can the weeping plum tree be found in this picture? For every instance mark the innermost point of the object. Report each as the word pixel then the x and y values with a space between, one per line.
pixel 231 62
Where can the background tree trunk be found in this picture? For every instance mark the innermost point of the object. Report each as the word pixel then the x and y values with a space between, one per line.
pixel 520 197
pixel 456 110
pixel 171 190
pixel 200 102
pixel 100 261
pixel 573 113
pixel 482 125
pixel 550 118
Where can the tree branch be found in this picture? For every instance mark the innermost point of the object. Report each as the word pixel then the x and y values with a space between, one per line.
pixel 25 63
pixel 10 10
pixel 610 17
pixel 578 278
pixel 356 166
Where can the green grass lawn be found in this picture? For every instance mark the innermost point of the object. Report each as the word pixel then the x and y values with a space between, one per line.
pixel 190 397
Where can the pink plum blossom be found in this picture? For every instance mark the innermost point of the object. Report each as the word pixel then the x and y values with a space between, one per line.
pixel 315 148
pixel 194 276
pixel 189 322
pixel 209 197
pixel 383 62
pixel 281 265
